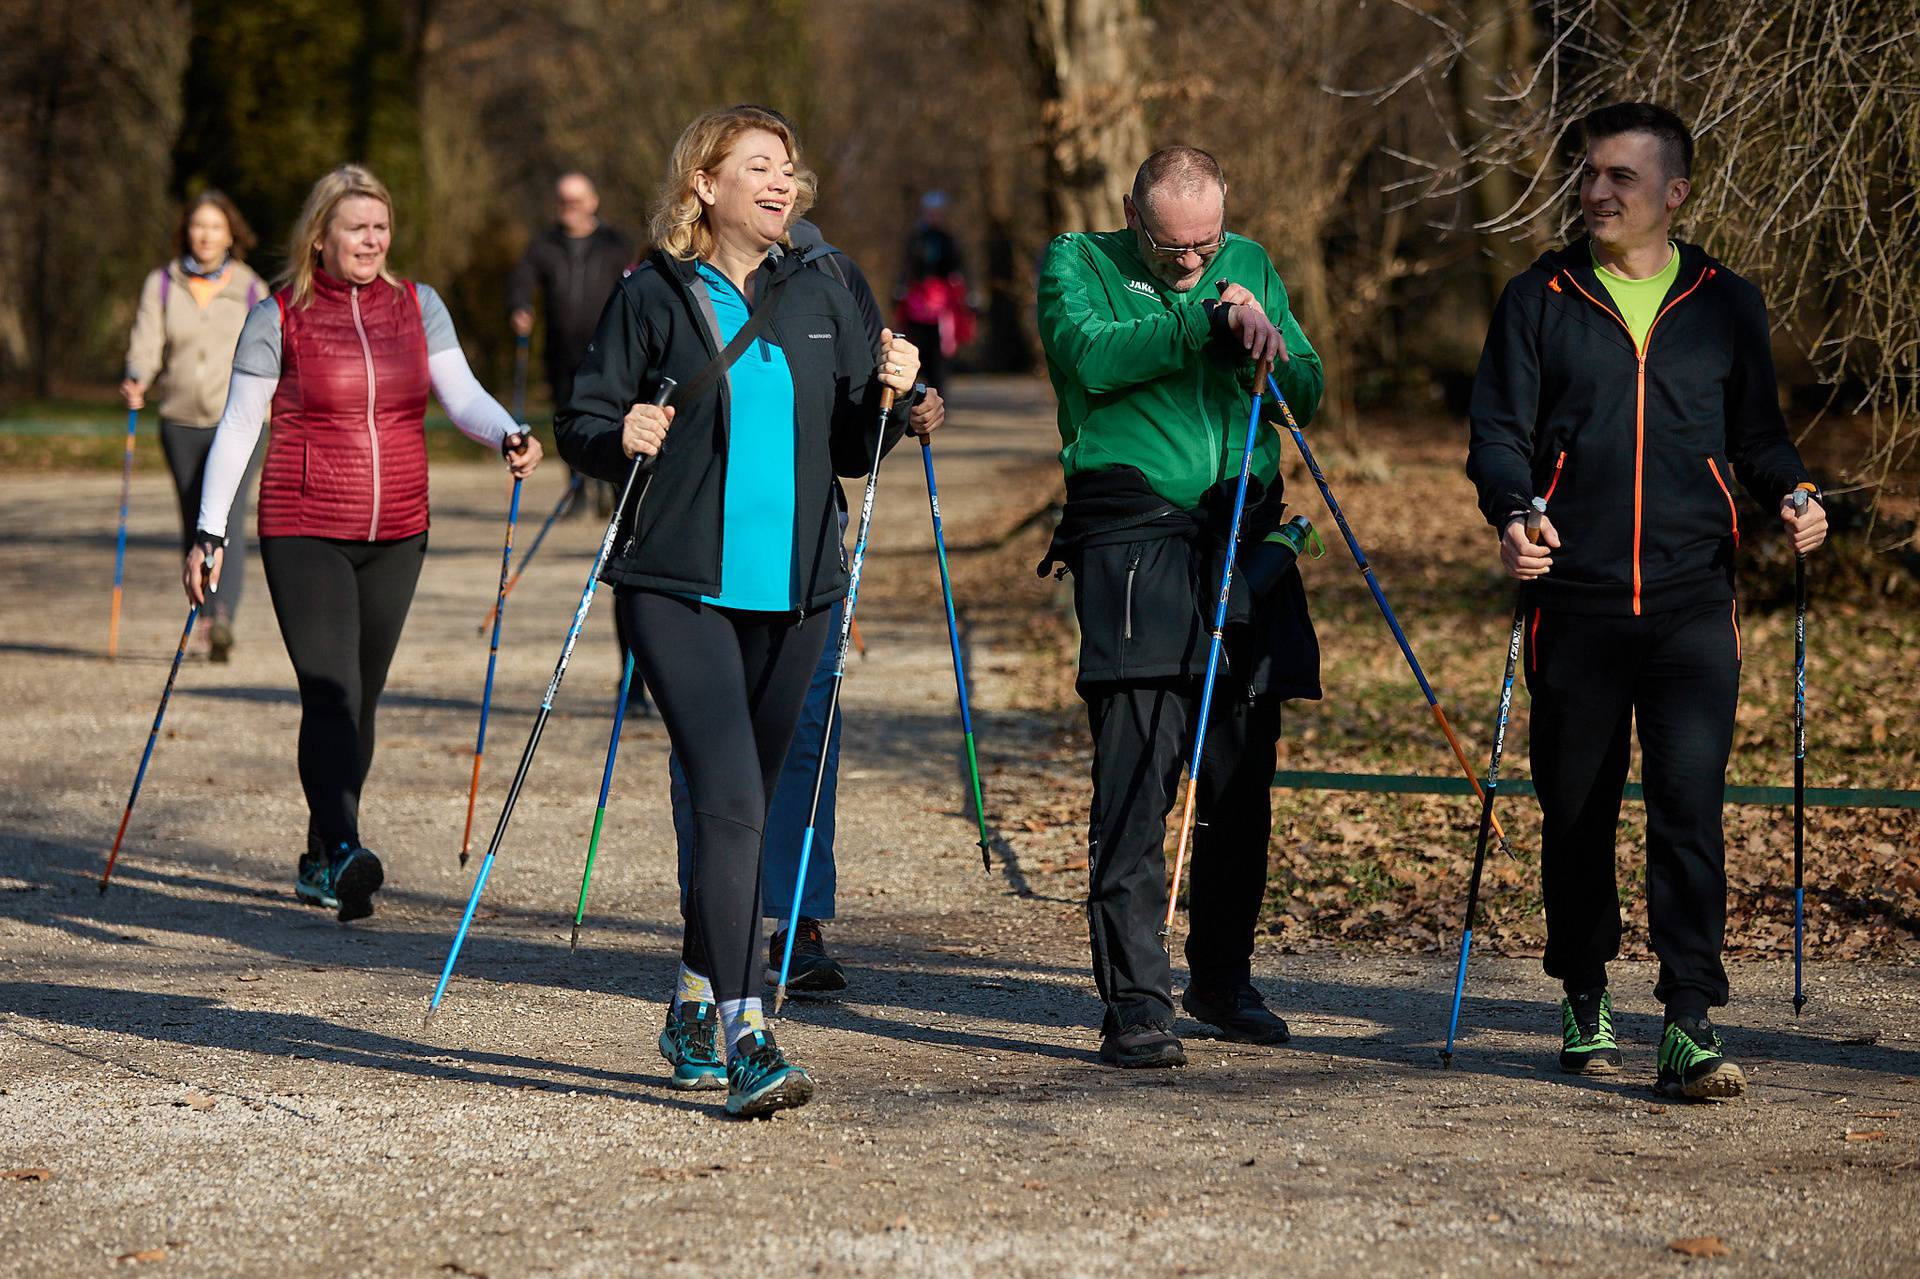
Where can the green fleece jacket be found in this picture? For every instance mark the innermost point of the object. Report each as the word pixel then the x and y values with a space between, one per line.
pixel 1140 381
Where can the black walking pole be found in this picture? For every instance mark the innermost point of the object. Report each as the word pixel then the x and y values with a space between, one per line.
pixel 579 622
pixel 1799 500
pixel 1514 639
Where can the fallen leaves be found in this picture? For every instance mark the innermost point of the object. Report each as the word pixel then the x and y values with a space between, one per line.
pixel 142 1256
pixel 1700 1246
pixel 1869 1134
pixel 26 1174
pixel 196 1101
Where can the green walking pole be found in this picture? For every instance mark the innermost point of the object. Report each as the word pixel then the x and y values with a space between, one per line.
pixel 600 811
pixel 959 666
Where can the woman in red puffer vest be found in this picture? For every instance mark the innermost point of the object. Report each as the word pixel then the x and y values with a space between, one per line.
pixel 344 355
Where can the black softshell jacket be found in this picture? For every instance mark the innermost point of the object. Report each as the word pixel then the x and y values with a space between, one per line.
pixel 1635 450
pixel 660 322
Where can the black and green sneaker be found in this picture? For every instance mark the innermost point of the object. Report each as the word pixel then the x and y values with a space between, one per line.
pixel 313 881
pixel 1692 1065
pixel 1587 1045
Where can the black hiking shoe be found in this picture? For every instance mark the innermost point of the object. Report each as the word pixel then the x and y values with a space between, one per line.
pixel 220 641
pixel 812 969
pixel 1587 1046
pixel 1239 1015
pixel 1142 1047
pixel 357 876
pixel 1692 1065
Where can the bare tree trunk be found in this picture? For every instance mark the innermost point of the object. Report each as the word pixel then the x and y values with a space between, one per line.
pixel 1089 55
pixel 1501 33
pixel 44 126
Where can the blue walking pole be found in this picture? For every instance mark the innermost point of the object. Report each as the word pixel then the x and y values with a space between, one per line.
pixel 833 698
pixel 1514 640
pixel 959 666
pixel 1380 598
pixel 1799 499
pixel 559 508
pixel 493 656
pixel 1213 654
pixel 600 810
pixel 153 735
pixel 120 548
pixel 574 628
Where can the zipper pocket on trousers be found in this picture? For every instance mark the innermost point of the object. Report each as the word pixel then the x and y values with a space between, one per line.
pixel 1133 567
pixel 1733 511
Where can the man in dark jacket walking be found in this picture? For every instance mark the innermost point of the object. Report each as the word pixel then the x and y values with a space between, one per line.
pixel 574 264
pixel 1628 381
pixel 1152 335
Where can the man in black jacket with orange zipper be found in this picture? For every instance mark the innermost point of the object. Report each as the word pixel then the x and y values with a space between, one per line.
pixel 1628 380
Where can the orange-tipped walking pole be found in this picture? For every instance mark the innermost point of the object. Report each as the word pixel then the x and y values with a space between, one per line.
pixel 1213 653
pixel 120 550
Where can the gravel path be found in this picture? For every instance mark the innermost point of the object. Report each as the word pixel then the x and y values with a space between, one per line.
pixel 216 1080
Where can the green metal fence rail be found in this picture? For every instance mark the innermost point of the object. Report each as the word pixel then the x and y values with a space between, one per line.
pixel 1404 784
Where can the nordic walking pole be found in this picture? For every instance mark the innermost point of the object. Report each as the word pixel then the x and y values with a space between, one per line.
pixel 1214 646
pixel 493 656
pixel 600 810
pixel 574 628
pixel 574 487
pixel 153 734
pixel 1514 640
pixel 120 548
pixel 1799 760
pixel 959 667
pixel 1380 598
pixel 833 699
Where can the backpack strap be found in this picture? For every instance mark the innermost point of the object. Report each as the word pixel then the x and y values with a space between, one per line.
pixel 717 367
pixel 166 287
pixel 253 292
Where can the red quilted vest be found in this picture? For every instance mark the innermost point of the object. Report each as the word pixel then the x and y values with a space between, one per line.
pixel 347 453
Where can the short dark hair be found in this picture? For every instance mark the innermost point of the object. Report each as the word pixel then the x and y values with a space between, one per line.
pixel 243 236
pixel 1675 139
pixel 1187 168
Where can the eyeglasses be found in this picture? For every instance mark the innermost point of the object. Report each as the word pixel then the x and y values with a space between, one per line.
pixel 1204 251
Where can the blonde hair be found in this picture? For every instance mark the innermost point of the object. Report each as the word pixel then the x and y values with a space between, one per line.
pixel 679 223
pixel 303 248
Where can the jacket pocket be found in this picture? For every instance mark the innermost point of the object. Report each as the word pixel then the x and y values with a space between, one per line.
pixel 1135 604
pixel 1133 571
pixel 1733 511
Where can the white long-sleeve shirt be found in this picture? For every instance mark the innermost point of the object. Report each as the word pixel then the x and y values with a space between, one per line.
pixel 256 375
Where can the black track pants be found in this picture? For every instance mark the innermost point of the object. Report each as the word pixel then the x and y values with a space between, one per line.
pixel 1141 735
pixel 730 685
pixel 341 607
pixel 186 449
pixel 1677 674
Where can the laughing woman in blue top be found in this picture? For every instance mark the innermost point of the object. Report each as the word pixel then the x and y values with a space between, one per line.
pixel 736 556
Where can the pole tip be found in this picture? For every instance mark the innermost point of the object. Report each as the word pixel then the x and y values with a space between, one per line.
pixel 103 887
pixel 779 998
pixel 463 857
pixel 573 942
pixel 426 1020
pixel 1446 1060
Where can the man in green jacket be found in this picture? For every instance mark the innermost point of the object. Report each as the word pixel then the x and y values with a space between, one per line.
pixel 1152 336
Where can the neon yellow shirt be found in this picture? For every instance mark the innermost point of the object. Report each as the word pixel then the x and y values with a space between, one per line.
pixel 1639 300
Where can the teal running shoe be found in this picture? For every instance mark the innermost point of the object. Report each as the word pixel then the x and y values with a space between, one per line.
pixel 760 1080
pixel 313 882
pixel 1693 1067
pixel 357 876
pixel 1587 1045
pixel 691 1045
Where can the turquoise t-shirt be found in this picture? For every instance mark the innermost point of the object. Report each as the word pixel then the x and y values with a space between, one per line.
pixel 756 549
pixel 1639 300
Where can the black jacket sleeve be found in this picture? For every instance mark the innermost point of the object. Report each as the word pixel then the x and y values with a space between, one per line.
pixel 857 422
pixel 1505 404
pixel 614 375
pixel 1758 445
pixel 520 283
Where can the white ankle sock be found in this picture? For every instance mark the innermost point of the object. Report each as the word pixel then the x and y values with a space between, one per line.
pixel 739 1017
pixel 692 989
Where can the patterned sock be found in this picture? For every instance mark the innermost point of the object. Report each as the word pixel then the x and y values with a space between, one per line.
pixel 693 989
pixel 739 1017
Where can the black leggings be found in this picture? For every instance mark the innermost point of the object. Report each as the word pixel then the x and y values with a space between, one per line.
pixel 341 607
pixel 186 448
pixel 730 686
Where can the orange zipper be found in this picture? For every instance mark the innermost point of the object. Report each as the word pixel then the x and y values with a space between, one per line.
pixel 1733 512
pixel 1553 484
pixel 1640 407
pixel 1734 611
pixel 1533 641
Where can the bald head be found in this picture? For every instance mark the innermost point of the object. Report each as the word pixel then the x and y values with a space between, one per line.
pixel 576 204
pixel 1178 212
pixel 1183 173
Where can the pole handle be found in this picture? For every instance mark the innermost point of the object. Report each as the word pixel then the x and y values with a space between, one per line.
pixel 1536 515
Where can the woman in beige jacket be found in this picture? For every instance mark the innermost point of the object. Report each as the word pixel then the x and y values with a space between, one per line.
pixel 184 335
